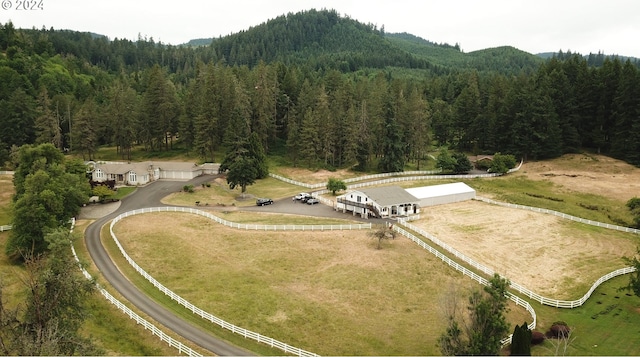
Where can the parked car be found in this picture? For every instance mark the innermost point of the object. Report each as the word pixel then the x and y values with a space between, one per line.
pixel 264 201
pixel 312 201
pixel 302 196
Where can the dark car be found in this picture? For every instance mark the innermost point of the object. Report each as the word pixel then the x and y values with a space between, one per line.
pixel 264 201
pixel 312 201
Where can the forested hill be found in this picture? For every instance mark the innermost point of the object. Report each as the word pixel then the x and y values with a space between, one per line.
pixel 324 39
pixel 506 59
pixel 321 89
pixel 318 38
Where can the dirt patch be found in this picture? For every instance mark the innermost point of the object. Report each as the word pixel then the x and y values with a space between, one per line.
pixel 310 176
pixel 595 174
pixel 6 189
pixel 541 252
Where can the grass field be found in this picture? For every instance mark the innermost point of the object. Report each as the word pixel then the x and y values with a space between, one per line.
pixel 263 281
pixel 6 192
pixel 549 193
pixel 301 287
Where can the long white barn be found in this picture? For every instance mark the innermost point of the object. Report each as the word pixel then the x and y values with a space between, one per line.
pixel 441 194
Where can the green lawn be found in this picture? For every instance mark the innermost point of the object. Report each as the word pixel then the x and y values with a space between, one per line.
pixel 608 324
pixel 6 192
pixel 244 293
pixel 544 194
pixel 276 299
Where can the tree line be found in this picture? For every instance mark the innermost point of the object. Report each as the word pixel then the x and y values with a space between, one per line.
pixel 316 117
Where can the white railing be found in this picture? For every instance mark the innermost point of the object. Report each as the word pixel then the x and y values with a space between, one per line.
pixel 252 227
pixel 5 228
pixel 397 177
pixel 561 215
pixel 391 174
pixel 478 278
pixel 182 348
pixel 7 172
pixel 569 304
pixel 203 314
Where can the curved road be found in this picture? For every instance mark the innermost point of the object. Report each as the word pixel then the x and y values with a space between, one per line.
pixel 150 196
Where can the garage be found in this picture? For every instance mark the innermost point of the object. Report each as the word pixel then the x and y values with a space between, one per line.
pixel 441 194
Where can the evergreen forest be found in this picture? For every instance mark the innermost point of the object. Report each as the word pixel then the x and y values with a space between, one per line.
pixel 317 87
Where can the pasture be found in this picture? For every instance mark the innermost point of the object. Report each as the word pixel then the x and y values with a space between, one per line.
pixel 555 258
pixel 331 293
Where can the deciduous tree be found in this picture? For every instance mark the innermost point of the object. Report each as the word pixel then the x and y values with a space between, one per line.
pixel 634 278
pixel 335 185
pixel 479 331
pixel 49 191
pixel 55 306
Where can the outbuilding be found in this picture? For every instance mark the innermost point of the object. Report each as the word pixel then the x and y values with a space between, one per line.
pixel 380 202
pixel 441 194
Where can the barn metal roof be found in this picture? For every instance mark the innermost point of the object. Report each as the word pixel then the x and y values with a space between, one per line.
pixel 389 195
pixel 440 190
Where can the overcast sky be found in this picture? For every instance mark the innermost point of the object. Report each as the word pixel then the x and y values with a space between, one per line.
pixel 584 26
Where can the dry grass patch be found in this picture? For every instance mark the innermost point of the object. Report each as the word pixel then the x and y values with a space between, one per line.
pixel 277 218
pixel 219 194
pixel 594 174
pixel 6 193
pixel 555 258
pixel 331 293
pixel 317 176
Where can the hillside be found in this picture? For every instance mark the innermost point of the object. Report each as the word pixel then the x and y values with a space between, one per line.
pixel 318 38
pixel 324 39
pixel 500 59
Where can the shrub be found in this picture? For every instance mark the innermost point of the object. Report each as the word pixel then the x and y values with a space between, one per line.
pixel 187 188
pixel 559 329
pixel 537 337
pixel 502 163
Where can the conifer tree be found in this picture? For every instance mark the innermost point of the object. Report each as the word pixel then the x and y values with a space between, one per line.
pixel 521 341
pixel 393 148
pixel 47 123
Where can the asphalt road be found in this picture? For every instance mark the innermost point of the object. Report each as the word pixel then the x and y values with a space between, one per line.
pixel 150 196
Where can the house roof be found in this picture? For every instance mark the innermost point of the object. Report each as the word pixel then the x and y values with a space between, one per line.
pixel 121 169
pixel 173 165
pixel 389 195
pixel 140 167
pixel 440 190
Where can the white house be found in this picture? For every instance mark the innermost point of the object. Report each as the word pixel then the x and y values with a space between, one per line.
pixel 141 173
pixel 441 194
pixel 381 202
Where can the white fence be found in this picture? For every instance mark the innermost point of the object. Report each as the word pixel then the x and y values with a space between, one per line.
pixel 6 172
pixel 569 304
pixel 561 215
pixel 182 348
pixel 5 228
pixel 470 274
pixel 395 177
pixel 251 227
pixel 205 315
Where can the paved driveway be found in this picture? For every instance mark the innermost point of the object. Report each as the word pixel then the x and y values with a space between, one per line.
pixel 149 196
pixel 289 206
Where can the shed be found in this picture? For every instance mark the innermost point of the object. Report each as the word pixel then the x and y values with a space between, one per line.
pixel 441 194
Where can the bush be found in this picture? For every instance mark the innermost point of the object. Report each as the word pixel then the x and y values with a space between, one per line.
pixel 559 329
pixel 537 337
pixel 502 163
pixel 187 188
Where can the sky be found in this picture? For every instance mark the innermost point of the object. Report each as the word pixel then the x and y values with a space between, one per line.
pixel 534 26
